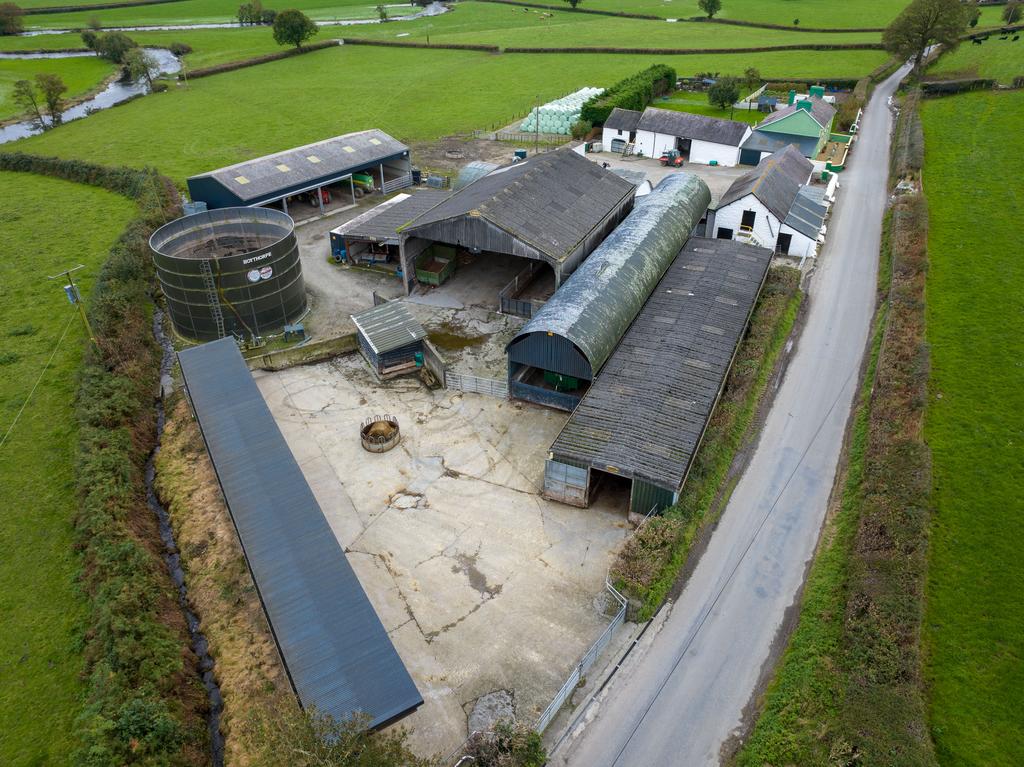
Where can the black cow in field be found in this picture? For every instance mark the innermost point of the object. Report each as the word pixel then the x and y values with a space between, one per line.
pixel 976 41
pixel 1015 38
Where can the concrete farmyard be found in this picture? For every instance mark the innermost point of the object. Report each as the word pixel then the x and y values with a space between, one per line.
pixel 482 584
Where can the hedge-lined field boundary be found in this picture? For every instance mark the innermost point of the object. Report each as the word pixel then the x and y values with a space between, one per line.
pixel 696 51
pixel 95 7
pixel 144 704
pixel 784 27
pixel 231 66
pixel 428 46
pixel 590 11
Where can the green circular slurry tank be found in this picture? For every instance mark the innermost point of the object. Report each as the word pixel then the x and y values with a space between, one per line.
pixel 230 271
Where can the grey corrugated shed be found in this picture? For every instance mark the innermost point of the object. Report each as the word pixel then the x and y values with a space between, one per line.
pixel 645 414
pixel 623 119
pixel 763 142
pixel 551 202
pixel 821 111
pixel 337 654
pixel 807 213
pixel 603 296
pixel 668 122
pixel 389 326
pixel 332 157
pixel 775 181
pixel 381 224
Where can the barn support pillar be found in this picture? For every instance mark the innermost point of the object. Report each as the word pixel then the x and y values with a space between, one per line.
pixel 320 198
pixel 284 204
pixel 382 179
pixel 352 189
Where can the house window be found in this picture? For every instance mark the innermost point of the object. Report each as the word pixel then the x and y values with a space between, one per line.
pixel 724 233
pixel 747 222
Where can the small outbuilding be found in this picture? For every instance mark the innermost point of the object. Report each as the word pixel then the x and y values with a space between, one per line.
pixel 697 138
pixel 390 338
pixel 774 206
pixel 806 123
pixel 619 131
pixel 320 173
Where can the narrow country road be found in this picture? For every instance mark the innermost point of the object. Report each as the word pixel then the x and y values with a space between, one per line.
pixel 684 696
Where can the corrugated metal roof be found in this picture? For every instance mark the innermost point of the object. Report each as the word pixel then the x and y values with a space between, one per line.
pixel 389 326
pixel 472 171
pixel 685 125
pixel 763 142
pixel 808 211
pixel 821 111
pixel 381 224
pixel 603 296
pixel 775 181
pixel 623 119
pixel 551 202
pixel 337 654
pixel 645 414
pixel 264 176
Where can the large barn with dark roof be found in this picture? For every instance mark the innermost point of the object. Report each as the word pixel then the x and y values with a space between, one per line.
pixel 698 138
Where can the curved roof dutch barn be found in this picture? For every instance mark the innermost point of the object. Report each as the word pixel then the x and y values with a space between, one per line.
pixel 596 305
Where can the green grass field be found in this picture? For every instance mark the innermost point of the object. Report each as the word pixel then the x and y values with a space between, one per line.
pixel 682 101
pixel 1002 60
pixel 352 88
pixel 45 225
pixel 974 628
pixel 811 13
pixel 81 75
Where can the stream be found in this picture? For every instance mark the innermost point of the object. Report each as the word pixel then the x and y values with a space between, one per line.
pixel 172 558
pixel 115 93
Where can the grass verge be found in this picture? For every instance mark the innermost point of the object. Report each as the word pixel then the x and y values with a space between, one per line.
pixel 974 631
pixel 649 564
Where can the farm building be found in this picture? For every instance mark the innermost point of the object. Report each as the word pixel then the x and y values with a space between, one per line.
pixel 699 139
pixel 336 653
pixel 640 424
pixel 557 355
pixel 543 216
pixel 773 206
pixel 327 171
pixel 372 237
pixel 619 130
pixel 390 338
pixel 806 123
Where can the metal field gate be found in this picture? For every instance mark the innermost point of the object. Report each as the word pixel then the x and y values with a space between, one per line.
pixel 566 483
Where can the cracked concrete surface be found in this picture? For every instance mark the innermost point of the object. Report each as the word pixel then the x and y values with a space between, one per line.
pixel 482 584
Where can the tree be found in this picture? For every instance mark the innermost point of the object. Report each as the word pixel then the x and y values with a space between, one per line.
pixel 291 737
pixel 52 89
pixel 24 95
pixel 114 46
pixel 293 27
pixel 752 78
pixel 10 19
pixel 90 39
pixel 973 14
pixel 710 7
pixel 573 3
pixel 382 12
pixel 724 93
pixel 925 23
pixel 251 13
pixel 1013 12
pixel 140 65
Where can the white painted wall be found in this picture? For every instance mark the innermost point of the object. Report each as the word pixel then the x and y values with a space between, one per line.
pixel 653 144
pixel 766 226
pixel 610 134
pixel 701 152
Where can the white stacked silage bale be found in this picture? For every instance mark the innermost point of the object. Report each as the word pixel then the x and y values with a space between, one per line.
pixel 559 115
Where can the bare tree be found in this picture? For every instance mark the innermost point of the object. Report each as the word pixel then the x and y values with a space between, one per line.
pixel 925 23
pixel 24 95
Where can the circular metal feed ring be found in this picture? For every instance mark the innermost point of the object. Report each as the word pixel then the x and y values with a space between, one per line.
pixel 380 433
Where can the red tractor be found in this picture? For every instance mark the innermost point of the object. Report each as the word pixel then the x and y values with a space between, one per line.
pixel 671 157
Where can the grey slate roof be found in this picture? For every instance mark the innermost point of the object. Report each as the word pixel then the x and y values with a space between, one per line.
pixel 685 125
pixel 381 224
pixel 336 652
pixel 306 164
pixel 551 201
pixel 646 413
pixel 603 296
pixel 807 213
pixel 775 181
pixel 623 119
pixel 821 111
pixel 389 326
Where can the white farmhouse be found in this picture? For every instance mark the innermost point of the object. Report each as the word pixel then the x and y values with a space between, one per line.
pixel 773 206
pixel 699 139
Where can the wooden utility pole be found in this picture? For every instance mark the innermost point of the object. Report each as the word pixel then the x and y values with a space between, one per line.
pixel 74 297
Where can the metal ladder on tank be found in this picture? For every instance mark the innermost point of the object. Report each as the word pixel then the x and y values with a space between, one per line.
pixel 211 296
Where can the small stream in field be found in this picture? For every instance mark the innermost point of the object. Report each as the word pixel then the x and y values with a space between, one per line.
pixel 172 558
pixel 115 93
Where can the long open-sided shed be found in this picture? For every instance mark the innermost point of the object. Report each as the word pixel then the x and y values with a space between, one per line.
pixel 554 208
pixel 645 415
pixel 334 162
pixel 335 650
pixel 372 237
pixel 556 355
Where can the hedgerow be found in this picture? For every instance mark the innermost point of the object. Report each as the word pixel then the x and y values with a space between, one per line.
pixel 94 7
pixel 695 51
pixel 143 703
pixel 231 66
pixel 634 92
pixel 414 44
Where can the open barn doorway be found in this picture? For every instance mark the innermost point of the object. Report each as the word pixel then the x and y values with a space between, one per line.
pixel 612 489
